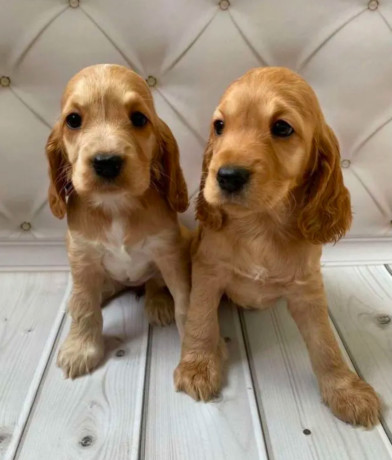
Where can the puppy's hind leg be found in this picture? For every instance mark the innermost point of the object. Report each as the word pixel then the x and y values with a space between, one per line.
pixel 159 304
pixel 111 289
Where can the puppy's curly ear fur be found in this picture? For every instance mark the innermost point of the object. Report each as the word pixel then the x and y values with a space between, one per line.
pixel 326 213
pixel 210 216
pixel 171 179
pixel 57 173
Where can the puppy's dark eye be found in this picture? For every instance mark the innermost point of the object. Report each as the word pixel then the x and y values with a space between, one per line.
pixel 218 127
pixel 74 120
pixel 138 119
pixel 281 129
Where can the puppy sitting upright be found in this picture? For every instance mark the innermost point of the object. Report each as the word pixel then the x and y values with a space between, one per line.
pixel 114 169
pixel 271 193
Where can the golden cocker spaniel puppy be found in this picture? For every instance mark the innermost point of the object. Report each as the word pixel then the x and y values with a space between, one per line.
pixel 271 194
pixel 114 169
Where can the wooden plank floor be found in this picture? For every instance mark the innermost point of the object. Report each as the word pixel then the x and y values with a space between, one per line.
pixel 128 409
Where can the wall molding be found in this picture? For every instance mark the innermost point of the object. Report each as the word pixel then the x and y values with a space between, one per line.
pixel 33 256
pixel 358 251
pixel 52 255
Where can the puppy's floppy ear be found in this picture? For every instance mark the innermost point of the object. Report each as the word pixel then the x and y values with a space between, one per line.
pixel 209 215
pixel 171 180
pixel 57 173
pixel 326 213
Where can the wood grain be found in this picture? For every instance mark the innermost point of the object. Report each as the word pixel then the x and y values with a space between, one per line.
pixel 178 428
pixel 359 298
pixel 96 416
pixel 29 306
pixel 289 398
pixel 101 416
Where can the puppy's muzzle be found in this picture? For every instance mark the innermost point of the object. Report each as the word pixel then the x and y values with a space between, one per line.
pixel 107 166
pixel 232 178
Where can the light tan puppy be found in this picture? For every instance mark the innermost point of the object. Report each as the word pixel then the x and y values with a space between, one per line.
pixel 271 193
pixel 114 169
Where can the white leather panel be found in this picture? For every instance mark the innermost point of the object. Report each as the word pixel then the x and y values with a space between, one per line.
pixel 194 49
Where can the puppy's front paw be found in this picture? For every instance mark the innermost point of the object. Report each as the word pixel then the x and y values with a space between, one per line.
pixel 160 308
pixel 78 356
pixel 199 375
pixel 352 400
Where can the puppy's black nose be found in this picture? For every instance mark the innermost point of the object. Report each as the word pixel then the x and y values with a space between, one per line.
pixel 232 178
pixel 107 166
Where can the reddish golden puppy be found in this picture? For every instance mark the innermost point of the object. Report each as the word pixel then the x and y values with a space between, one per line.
pixel 271 193
pixel 114 169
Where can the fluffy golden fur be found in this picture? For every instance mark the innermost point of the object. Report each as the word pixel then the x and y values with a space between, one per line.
pixel 264 242
pixel 122 231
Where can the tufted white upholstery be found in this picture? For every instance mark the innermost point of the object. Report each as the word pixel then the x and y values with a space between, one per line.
pixel 194 49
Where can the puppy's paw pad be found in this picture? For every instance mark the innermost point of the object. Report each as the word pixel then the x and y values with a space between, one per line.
pixel 78 356
pixel 355 402
pixel 199 378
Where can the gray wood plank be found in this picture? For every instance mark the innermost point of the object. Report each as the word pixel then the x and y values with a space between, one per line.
pixel 97 416
pixel 359 298
pixel 289 398
pixel 178 428
pixel 29 319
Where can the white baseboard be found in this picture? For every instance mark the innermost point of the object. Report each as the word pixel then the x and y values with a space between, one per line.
pixel 33 255
pixel 358 251
pixel 52 255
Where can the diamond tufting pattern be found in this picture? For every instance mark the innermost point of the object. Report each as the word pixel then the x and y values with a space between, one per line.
pixel 189 51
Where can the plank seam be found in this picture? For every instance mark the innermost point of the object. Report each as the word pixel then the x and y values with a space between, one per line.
pixel 34 268
pixel 259 405
pixel 38 379
pixel 389 269
pixel 146 388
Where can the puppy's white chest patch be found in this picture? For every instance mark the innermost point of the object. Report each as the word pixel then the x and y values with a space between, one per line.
pixel 131 265
pixel 253 272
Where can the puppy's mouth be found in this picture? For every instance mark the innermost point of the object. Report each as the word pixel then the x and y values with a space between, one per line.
pixel 113 202
pixel 69 188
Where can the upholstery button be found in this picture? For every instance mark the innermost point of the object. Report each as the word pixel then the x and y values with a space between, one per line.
pixel 345 163
pixel 224 5
pixel 373 5
pixel 151 81
pixel 25 226
pixel 73 3
pixel 383 319
pixel 5 81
